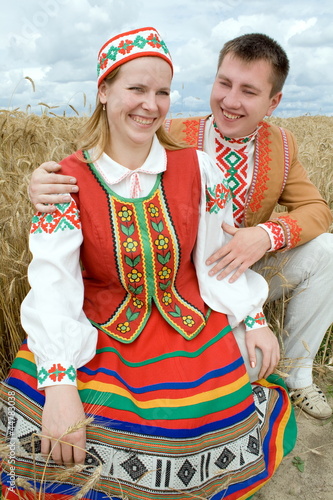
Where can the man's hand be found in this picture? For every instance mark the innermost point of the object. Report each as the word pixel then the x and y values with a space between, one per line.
pixel 46 187
pixel 246 247
pixel 266 341
pixel 63 409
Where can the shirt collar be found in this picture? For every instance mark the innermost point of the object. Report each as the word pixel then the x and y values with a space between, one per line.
pixel 113 172
pixel 236 140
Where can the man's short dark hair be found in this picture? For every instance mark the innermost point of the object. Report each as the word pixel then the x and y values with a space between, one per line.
pixel 257 46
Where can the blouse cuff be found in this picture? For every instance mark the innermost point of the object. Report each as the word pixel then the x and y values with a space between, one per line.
pixel 275 233
pixel 56 373
pixel 255 320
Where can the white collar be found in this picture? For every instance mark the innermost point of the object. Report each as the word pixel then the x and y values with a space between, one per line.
pixel 233 141
pixel 113 172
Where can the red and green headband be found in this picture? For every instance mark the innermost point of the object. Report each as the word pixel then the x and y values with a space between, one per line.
pixel 122 48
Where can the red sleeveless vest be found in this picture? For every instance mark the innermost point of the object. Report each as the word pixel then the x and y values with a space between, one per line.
pixel 138 251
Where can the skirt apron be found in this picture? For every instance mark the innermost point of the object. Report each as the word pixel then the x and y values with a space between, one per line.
pixel 172 418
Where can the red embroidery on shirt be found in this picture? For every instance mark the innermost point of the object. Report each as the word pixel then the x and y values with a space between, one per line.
pixel 233 163
pixel 277 234
pixel 260 319
pixel 293 230
pixel 57 372
pixel 216 198
pixel 66 216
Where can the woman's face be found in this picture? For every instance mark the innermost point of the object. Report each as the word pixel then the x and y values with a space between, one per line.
pixel 137 102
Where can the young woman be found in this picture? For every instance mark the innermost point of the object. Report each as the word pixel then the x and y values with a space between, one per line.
pixel 125 326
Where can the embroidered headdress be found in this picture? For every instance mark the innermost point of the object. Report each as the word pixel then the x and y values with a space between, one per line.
pixel 127 46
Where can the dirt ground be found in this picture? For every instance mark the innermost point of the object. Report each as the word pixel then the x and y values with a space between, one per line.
pixel 314 448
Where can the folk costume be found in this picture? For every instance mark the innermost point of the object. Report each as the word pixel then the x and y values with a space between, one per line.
pixel 121 306
pixel 173 409
pixel 263 170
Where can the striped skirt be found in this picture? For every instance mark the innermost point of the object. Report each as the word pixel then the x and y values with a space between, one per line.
pixel 172 418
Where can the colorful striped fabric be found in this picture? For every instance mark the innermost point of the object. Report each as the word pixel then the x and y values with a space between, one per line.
pixel 174 418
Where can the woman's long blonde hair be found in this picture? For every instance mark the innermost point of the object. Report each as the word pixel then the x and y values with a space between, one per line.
pixel 96 133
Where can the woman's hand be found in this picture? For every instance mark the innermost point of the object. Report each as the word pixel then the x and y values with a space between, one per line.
pixel 267 342
pixel 62 412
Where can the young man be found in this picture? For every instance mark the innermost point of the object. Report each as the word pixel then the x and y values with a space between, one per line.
pixel 291 249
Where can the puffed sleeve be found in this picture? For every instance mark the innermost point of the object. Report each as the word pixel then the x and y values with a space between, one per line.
pixel 242 300
pixel 59 334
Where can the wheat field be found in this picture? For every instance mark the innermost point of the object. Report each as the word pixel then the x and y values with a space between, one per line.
pixel 27 140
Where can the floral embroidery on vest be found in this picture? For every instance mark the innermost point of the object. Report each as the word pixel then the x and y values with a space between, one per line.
pixel 147 268
pixel 66 216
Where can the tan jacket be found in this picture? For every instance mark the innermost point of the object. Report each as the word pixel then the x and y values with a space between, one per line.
pixel 278 178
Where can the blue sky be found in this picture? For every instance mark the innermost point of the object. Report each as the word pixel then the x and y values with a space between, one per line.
pixel 55 44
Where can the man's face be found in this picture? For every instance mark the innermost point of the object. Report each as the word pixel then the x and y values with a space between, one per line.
pixel 240 96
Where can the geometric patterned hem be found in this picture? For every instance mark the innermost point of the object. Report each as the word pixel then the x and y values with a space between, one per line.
pixel 126 464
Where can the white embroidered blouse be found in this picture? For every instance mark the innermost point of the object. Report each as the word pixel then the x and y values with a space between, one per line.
pixel 59 333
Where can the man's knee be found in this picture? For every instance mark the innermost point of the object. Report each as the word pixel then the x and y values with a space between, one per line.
pixel 287 270
pixel 310 254
pixel 320 250
pixel 325 241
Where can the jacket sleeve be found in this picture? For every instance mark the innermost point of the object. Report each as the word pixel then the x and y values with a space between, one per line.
pixel 307 214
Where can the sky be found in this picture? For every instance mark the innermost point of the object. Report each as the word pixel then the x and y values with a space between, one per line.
pixel 48 49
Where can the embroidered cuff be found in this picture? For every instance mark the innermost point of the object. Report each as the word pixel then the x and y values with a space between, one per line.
pixel 255 320
pixel 51 373
pixel 275 233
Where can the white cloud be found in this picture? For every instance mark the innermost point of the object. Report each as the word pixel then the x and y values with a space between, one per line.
pixel 55 42
pixel 300 26
pixel 175 96
pixel 193 103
